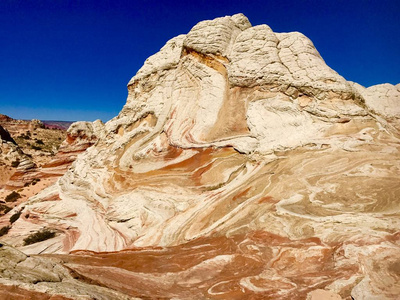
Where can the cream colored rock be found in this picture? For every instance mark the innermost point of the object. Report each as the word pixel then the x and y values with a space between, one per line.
pixel 167 58
pixel 286 60
pixel 383 99
pixel 216 36
pixel 81 135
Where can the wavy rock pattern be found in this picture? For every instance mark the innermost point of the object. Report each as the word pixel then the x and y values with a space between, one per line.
pixel 242 147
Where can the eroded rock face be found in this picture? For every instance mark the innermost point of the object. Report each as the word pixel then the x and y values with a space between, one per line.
pixel 233 130
pixel 16 126
pixel 80 136
pixel 44 278
pixel 11 154
pixel 27 173
pixel 383 100
pixel 25 147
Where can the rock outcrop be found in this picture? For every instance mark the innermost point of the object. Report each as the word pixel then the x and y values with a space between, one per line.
pixel 41 277
pixel 242 138
pixel 15 126
pixel 5 136
pixel 80 136
pixel 31 165
pixel 11 154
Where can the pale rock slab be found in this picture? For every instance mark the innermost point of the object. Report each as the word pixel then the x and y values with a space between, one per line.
pixel 383 99
pixel 216 36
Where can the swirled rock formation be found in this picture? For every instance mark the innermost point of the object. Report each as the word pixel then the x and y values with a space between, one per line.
pixel 240 166
pixel 80 136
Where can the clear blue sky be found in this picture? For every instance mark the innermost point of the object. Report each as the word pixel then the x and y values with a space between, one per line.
pixel 71 60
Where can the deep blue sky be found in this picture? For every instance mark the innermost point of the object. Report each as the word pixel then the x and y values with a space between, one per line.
pixel 71 60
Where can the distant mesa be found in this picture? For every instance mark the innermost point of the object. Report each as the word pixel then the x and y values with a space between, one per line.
pixel 51 124
pixel 63 125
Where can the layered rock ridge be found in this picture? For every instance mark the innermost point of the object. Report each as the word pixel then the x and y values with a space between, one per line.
pixel 37 157
pixel 229 131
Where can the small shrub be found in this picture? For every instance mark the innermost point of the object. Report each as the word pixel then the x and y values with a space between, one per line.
pixel 36 147
pixel 4 230
pixel 40 142
pixel 35 180
pixel 15 217
pixel 15 163
pixel 4 208
pixel 14 196
pixel 39 236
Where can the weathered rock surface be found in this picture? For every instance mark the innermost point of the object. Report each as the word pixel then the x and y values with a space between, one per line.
pixel 383 100
pixel 242 147
pixel 28 173
pixel 11 154
pixel 15 126
pixel 43 278
pixel 25 146
pixel 80 136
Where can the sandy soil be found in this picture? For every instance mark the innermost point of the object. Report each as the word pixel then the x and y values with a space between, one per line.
pixel 5 174
pixel 26 193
